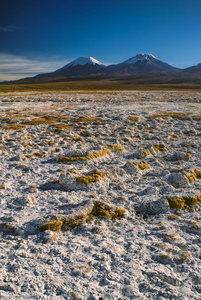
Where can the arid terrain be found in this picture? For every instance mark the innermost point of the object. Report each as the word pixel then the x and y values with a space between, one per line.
pixel 100 195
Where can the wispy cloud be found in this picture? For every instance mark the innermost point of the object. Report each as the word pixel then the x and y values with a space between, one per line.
pixel 14 67
pixel 9 28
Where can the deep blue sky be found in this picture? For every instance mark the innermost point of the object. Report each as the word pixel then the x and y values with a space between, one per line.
pixel 42 35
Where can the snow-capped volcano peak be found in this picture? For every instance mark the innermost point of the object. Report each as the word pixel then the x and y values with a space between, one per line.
pixel 85 60
pixel 140 57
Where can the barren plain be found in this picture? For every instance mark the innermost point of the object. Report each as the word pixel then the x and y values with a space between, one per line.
pixel 100 195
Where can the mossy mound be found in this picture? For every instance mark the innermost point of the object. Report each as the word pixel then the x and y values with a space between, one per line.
pixel 159 147
pixel 142 165
pixel 117 147
pixel 134 119
pixel 184 202
pixel 91 178
pixel 176 203
pixel 53 225
pixel 143 153
pixel 99 210
pixel 92 155
pixel 104 211
pixel 192 175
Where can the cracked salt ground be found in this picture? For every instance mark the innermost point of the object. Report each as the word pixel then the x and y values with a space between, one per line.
pixel 100 195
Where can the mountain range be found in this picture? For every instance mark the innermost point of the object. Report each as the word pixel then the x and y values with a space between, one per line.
pixel 143 68
pixel 139 64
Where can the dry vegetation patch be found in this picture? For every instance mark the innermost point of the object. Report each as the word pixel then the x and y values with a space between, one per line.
pixel 39 121
pixel 117 147
pixel 159 147
pixel 134 119
pixel 192 175
pixel 87 120
pixel 61 126
pixel 8 229
pixel 142 165
pixel 13 126
pixel 53 225
pixel 91 178
pixel 185 201
pixel 92 155
pixel 168 114
pixel 99 210
pixel 35 154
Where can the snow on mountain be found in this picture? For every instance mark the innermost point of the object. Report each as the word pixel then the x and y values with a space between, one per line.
pixel 83 61
pixel 82 66
pixel 140 58
pixel 87 66
pixel 139 64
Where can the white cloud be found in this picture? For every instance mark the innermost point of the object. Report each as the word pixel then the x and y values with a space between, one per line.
pixel 14 67
pixel 8 28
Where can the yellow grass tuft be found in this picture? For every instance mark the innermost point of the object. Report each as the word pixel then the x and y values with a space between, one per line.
pixel 102 211
pixel 53 225
pixel 61 126
pixel 197 173
pixel 168 114
pixel 36 154
pixel 145 152
pixel 99 210
pixel 91 178
pixel 173 217
pixel 192 199
pixel 94 154
pixel 188 156
pixel 75 221
pixel 176 203
pixel 183 258
pixel 159 147
pixel 8 228
pixel 134 119
pixel 13 126
pixel 2 186
pixel 191 177
pixel 89 119
pixel 186 201
pixel 30 144
pixel 142 165
pixel 38 121
pixel 117 147
pixel 166 257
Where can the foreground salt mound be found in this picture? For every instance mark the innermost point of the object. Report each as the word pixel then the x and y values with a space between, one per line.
pixel 155 207
pixel 180 156
pixel 83 155
pixel 185 200
pixel 49 236
pixel 130 168
pixel 84 214
pixel 73 181
pixel 178 180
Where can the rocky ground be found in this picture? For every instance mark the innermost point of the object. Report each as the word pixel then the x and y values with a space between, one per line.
pixel 100 195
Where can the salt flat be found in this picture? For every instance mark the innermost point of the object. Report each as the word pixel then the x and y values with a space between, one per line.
pixel 100 195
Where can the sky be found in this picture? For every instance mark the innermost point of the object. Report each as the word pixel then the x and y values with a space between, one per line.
pixel 39 36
